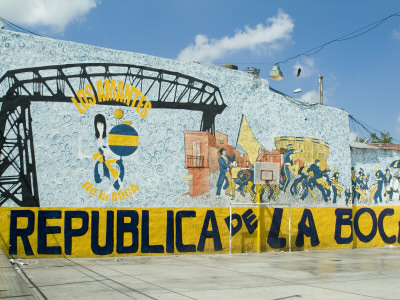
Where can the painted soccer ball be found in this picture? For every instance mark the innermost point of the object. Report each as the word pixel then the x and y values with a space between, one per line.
pixel 123 140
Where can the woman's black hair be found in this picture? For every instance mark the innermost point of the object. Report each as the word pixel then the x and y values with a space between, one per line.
pixel 220 150
pixel 99 118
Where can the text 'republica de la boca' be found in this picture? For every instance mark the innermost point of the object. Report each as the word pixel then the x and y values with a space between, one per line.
pixel 94 232
pixel 111 90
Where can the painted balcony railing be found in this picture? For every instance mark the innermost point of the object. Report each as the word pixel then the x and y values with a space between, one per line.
pixel 194 161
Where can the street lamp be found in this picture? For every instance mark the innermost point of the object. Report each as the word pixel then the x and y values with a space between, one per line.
pixel 276 73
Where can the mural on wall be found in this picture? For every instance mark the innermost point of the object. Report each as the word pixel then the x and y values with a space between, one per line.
pixel 383 187
pixel 121 142
pixel 89 87
pixel 106 158
pixel 108 146
pixel 304 173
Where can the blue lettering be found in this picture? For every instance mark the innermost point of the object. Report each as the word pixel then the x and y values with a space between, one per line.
pixel 273 236
pixel 398 237
pixel 69 232
pixel 179 243
pixel 309 231
pixel 44 230
pixel 130 227
pixel 343 218
pixel 249 217
pixel 235 229
pixel 210 234
pixel 109 245
pixel 23 233
pixel 359 234
pixel 146 247
pixel 382 215
pixel 169 245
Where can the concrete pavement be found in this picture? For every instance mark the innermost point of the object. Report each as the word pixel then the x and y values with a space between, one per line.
pixel 12 286
pixel 369 273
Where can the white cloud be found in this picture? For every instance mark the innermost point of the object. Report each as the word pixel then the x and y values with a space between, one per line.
pixel 311 96
pixel 307 66
pixel 55 14
pixel 396 34
pixel 266 37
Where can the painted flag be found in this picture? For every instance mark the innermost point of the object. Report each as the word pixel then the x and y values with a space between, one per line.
pixel 248 142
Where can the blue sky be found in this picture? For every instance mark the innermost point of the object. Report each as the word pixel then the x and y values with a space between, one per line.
pixel 361 75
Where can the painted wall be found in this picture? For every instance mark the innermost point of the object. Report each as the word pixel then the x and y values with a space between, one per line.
pixel 92 132
pixel 375 176
pixel 65 141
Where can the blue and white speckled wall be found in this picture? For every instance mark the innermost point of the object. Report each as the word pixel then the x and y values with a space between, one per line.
pixel 64 139
pixel 375 164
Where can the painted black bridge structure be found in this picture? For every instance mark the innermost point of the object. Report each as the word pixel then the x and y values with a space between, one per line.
pixel 58 83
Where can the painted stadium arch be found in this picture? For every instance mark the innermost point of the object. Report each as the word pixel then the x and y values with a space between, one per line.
pixel 84 85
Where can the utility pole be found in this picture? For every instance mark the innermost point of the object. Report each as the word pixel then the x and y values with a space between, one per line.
pixel 321 93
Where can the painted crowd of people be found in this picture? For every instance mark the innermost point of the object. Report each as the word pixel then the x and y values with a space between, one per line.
pixel 384 187
pixel 312 180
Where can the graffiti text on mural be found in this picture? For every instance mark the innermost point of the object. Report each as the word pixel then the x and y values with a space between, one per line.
pixel 126 222
pixel 105 232
pixel 111 90
pixel 120 195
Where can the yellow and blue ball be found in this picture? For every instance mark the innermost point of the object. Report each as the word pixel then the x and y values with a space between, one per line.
pixel 123 140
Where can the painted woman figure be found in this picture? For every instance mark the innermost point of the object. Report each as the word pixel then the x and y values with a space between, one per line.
pixel 100 127
pixel 104 165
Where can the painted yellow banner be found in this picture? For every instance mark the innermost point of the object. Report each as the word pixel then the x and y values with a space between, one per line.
pixel 88 232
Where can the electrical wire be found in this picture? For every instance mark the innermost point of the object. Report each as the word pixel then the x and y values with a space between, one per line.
pixel 359 127
pixel 363 128
pixel 352 35
pixel 293 100
pixel 346 37
pixel 16 27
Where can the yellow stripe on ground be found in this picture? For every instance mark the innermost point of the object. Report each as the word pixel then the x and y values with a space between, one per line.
pixel 123 140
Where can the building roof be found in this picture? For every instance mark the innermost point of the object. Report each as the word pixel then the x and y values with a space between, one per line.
pixel 363 146
pixel 375 146
pixel 386 146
